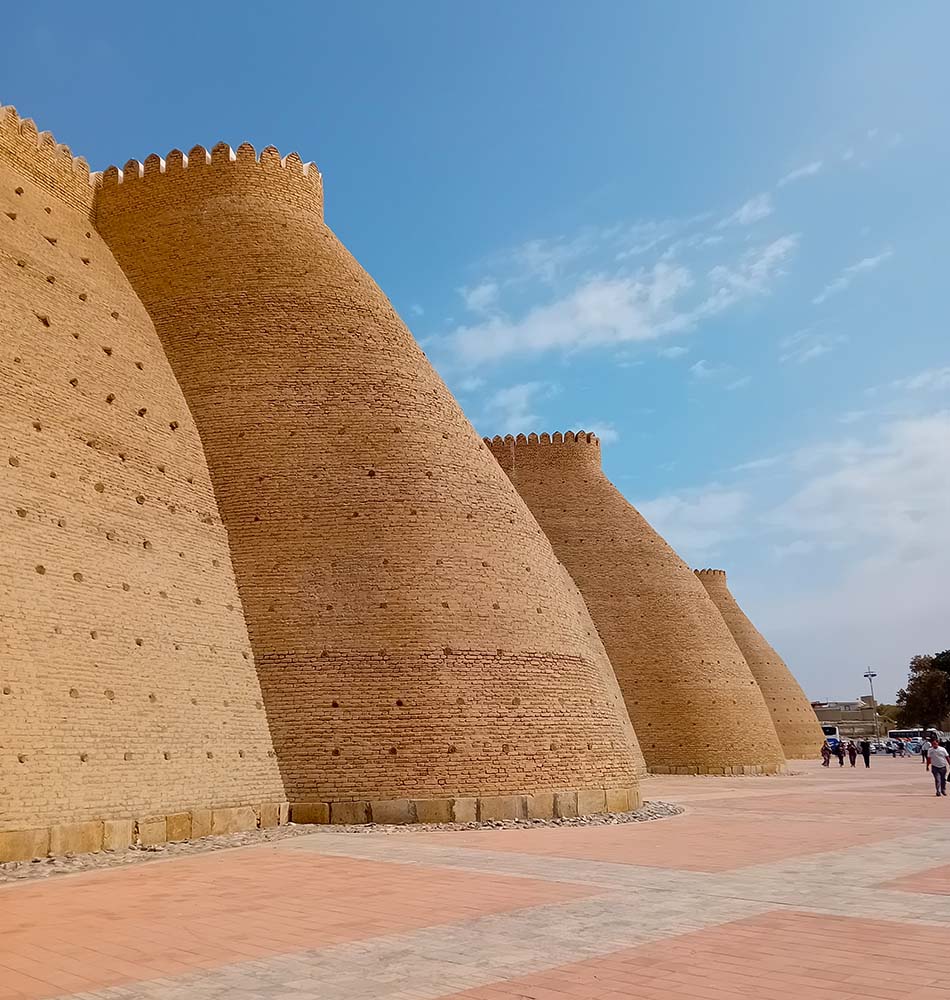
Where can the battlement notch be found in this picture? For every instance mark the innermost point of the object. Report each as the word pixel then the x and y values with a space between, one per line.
pixel 205 173
pixel 48 163
pixel 574 450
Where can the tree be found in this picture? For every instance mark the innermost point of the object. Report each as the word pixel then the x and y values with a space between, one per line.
pixel 926 699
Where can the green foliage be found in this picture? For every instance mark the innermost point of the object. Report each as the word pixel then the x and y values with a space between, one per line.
pixel 926 699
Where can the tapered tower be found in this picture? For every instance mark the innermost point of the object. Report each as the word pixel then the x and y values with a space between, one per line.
pixel 421 651
pixel 690 694
pixel 127 685
pixel 795 720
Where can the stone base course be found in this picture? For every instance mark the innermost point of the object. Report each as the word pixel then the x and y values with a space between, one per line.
pixel 145 831
pixel 465 809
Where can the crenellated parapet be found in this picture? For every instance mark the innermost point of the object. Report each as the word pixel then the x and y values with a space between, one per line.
pixel 48 163
pixel 201 174
pixel 711 573
pixel 572 450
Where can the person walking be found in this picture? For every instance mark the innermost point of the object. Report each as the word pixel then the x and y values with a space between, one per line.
pixel 852 752
pixel 825 754
pixel 839 753
pixel 937 760
pixel 866 752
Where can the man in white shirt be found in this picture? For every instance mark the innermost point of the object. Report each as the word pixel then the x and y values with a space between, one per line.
pixel 938 760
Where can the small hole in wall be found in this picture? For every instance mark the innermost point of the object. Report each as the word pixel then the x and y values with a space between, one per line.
pixel 20 512
pixel 115 315
pixel 110 399
pixel 83 296
pixel 399 702
pixel 40 569
pixel 22 758
pixel 93 634
pixel 127 755
pixel 6 688
pixel 21 263
pixel 174 425
pixel 18 190
pixel 77 577
pixel 51 240
pixel 74 382
pixel 392 751
pixel 48 210
pixel 51 279
pixel 37 426
pixel 73 693
pixel 84 757
pixel 11 216
pixel 85 260
pixel 336 752
pixel 334 704
pixel 100 487
pixel 14 461
pixel 167 755
pixel 110 694
pixel 143 411
pixel 43 318
pixel 209 755
pixel 107 351
pixel 241 754
pixel 152 698
pixel 140 499
pixel 139 365
pixel 88 236
pixel 138 642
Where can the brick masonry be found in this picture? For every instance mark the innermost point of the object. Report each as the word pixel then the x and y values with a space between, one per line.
pixel 692 698
pixel 127 681
pixel 414 636
pixel 794 718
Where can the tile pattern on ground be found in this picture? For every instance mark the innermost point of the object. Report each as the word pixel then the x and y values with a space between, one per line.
pixel 801 887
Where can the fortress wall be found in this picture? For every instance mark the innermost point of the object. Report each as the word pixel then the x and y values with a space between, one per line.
pixel 127 684
pixel 795 720
pixel 691 696
pixel 415 636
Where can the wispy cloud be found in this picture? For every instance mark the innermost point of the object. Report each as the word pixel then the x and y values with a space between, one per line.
pixel 481 297
pixel 603 311
pixel 416 309
pixel 756 208
pixel 931 379
pixel 512 409
pixel 808 170
pixel 605 430
pixel 704 371
pixel 697 521
pixel 673 352
pixel 844 279
pixel 807 345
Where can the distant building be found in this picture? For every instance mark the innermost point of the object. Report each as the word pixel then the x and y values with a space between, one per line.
pixel 855 719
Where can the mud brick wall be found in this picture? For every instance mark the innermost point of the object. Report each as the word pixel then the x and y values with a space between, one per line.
pixel 414 633
pixel 127 682
pixel 692 698
pixel 795 720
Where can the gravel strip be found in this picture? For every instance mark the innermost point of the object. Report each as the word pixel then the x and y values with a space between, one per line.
pixel 40 868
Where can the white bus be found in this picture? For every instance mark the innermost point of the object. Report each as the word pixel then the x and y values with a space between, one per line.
pixel 916 733
pixel 831 731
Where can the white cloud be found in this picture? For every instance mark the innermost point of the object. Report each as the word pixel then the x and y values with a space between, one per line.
pixel 756 208
pixel 932 379
pixel 416 309
pixel 848 275
pixel 471 384
pixel 605 430
pixel 739 383
pixel 673 352
pixel 808 170
pixel 697 521
pixel 511 410
pixel 481 297
pixel 704 370
pixel 807 345
pixel 758 463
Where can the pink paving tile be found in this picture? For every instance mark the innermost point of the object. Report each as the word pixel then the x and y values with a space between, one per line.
pixel 693 842
pixel 931 882
pixel 114 926
pixel 778 956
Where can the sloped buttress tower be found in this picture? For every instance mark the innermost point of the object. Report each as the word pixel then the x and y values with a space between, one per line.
pixel 795 720
pixel 128 695
pixel 421 652
pixel 690 694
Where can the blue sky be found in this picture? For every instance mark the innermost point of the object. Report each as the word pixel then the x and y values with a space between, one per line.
pixel 715 233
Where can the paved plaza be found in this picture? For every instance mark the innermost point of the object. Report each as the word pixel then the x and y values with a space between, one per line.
pixel 824 884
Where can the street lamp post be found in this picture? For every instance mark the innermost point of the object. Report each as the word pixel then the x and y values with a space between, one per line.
pixel 870 674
